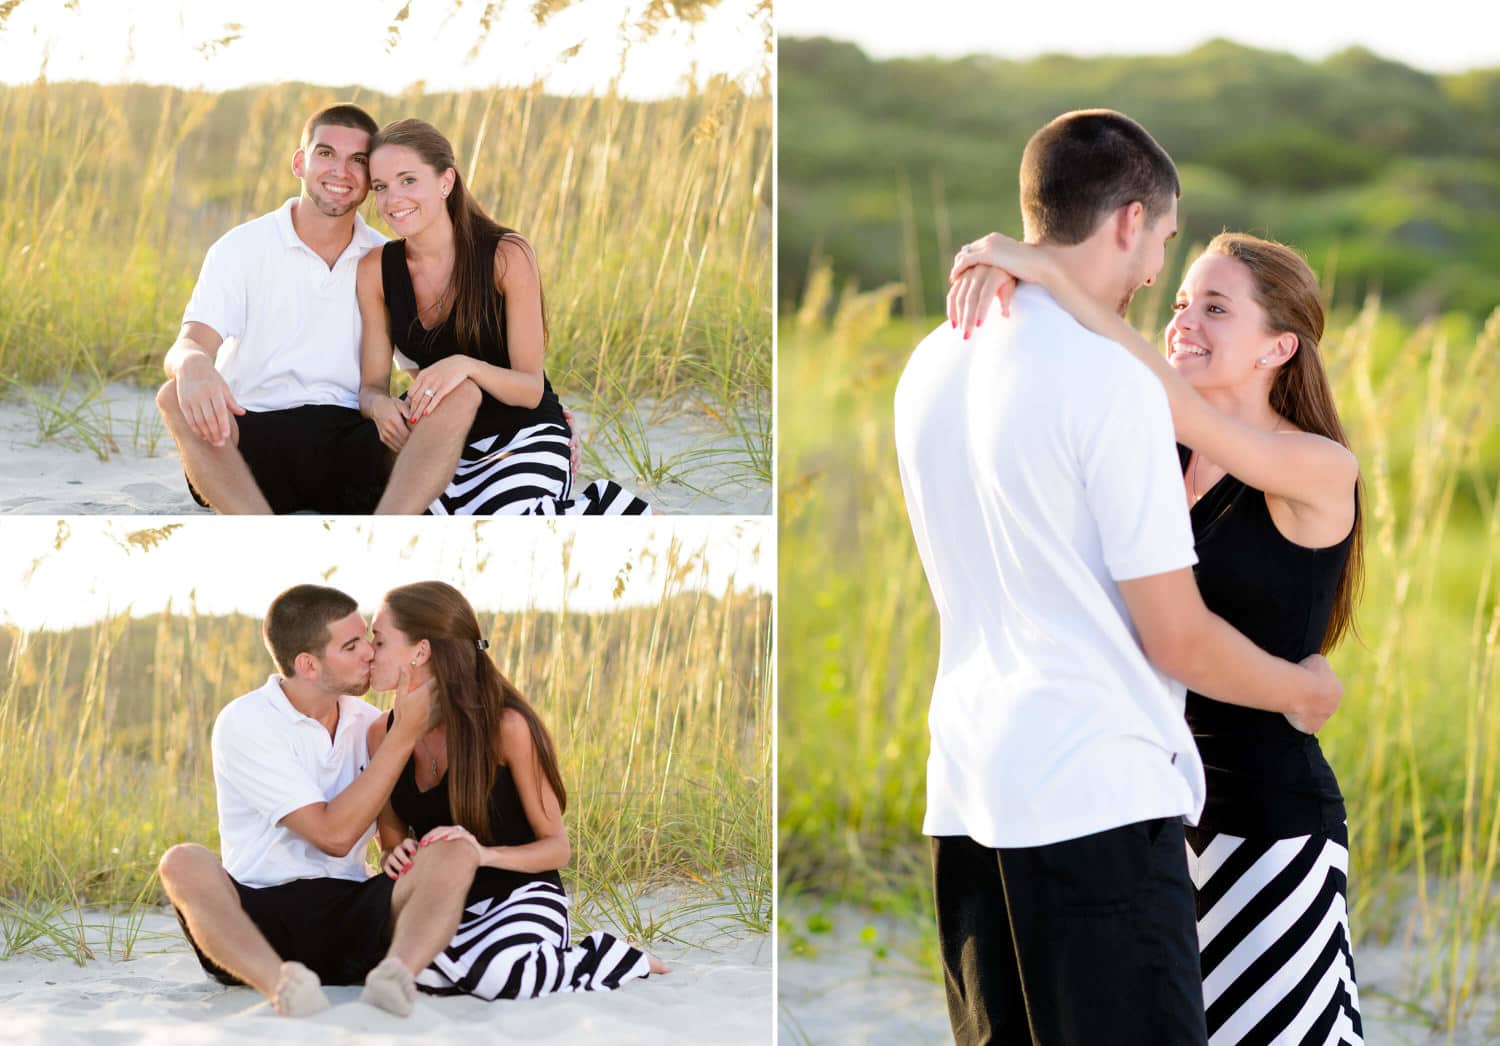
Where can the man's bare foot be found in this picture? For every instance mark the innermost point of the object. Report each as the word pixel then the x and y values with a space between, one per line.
pixel 299 992
pixel 391 987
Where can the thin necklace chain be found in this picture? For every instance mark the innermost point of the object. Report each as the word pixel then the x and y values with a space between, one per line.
pixel 431 759
pixel 437 303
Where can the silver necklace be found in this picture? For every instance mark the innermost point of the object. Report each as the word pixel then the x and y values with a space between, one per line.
pixel 437 304
pixel 431 759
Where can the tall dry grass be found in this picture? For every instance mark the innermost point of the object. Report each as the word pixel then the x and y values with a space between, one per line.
pixel 651 222
pixel 661 714
pixel 1416 744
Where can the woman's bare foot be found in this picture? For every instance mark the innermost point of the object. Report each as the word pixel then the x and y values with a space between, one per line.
pixel 657 966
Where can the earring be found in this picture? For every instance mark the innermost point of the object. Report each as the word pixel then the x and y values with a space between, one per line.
pixel 1262 361
pixel 414 662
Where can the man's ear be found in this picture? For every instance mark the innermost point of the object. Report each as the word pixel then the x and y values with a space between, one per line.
pixel 299 162
pixel 1128 221
pixel 305 666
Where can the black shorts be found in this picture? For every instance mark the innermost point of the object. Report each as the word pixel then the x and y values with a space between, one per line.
pixel 318 458
pixel 1083 941
pixel 338 928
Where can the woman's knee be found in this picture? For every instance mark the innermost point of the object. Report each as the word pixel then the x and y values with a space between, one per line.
pixel 453 855
pixel 462 402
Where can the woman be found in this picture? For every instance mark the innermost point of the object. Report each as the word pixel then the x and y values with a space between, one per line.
pixel 461 296
pixel 486 773
pixel 1274 502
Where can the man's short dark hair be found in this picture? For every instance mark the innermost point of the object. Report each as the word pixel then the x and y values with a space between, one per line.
pixel 1087 164
pixel 297 623
pixel 344 114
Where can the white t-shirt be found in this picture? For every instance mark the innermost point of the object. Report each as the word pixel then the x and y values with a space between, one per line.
pixel 290 323
pixel 1039 468
pixel 270 759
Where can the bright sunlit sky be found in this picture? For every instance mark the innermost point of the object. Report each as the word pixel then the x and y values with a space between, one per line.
pixel 337 42
pixel 234 564
pixel 1436 35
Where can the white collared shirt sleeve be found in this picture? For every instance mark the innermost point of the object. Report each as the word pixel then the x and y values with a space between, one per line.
pixel 1133 483
pixel 261 769
pixel 219 296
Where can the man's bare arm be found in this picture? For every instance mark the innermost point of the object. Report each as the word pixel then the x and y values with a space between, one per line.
pixel 336 826
pixel 202 393
pixel 1189 642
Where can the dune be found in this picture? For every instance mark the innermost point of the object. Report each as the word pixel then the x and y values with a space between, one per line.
pixel 115 458
pixel 719 991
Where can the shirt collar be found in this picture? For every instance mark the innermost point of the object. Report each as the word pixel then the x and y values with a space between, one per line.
pixel 288 711
pixel 363 239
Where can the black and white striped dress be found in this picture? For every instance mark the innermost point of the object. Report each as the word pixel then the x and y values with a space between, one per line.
pixel 1269 859
pixel 515 460
pixel 1273 938
pixel 517 947
pixel 514 937
pixel 528 474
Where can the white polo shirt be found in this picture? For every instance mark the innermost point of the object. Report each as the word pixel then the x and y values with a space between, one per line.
pixel 270 759
pixel 1039 468
pixel 290 323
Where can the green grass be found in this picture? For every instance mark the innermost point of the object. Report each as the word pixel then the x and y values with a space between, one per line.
pixel 651 222
pixel 1416 744
pixel 661 714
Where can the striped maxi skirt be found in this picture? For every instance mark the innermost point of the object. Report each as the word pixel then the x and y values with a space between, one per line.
pixel 528 475
pixel 517 948
pixel 1273 938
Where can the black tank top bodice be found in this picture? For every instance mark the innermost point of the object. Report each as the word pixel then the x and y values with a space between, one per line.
pixel 509 826
pixel 425 347
pixel 1265 778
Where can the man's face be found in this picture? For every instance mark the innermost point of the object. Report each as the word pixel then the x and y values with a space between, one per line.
pixel 1149 253
pixel 344 665
pixel 334 169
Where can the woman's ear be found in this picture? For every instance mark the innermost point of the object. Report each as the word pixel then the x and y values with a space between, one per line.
pixel 1286 348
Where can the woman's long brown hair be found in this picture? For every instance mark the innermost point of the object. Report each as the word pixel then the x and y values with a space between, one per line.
pixel 478 309
pixel 1287 290
pixel 472 696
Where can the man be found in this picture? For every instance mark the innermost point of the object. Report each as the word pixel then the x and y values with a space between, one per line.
pixel 292 905
pixel 1048 510
pixel 262 395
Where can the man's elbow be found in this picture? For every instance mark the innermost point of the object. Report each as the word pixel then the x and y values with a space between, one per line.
pixel 1171 648
pixel 336 846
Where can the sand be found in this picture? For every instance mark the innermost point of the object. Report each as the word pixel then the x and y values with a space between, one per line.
pixel 119 460
pixel 840 991
pixel 719 991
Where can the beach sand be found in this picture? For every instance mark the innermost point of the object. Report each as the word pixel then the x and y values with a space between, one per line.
pixel 835 988
pixel 719 991
pixel 115 458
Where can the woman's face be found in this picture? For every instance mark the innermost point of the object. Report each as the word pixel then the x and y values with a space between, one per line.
pixel 408 192
pixel 1218 334
pixel 393 652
